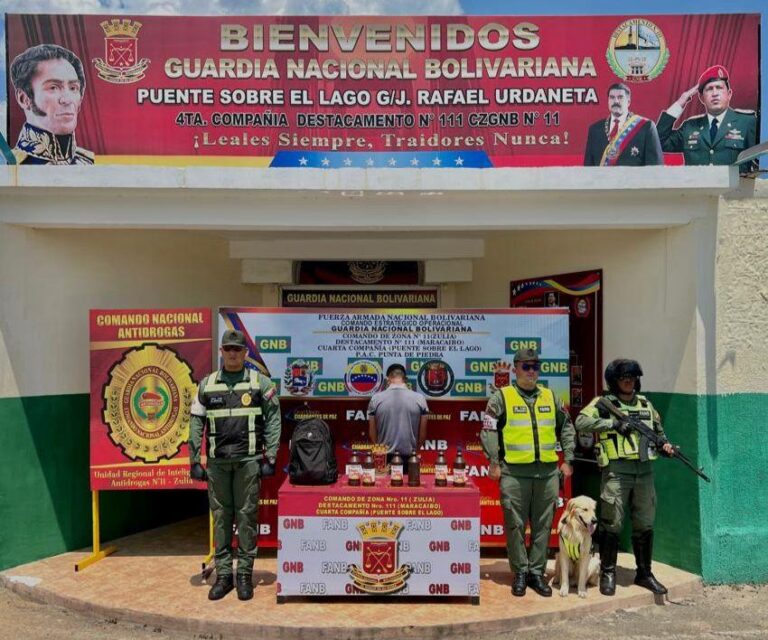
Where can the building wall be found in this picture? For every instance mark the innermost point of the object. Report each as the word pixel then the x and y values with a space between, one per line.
pixel 686 301
pixel 732 428
pixel 50 279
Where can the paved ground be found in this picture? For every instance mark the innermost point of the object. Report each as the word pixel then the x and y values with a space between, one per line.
pixel 719 613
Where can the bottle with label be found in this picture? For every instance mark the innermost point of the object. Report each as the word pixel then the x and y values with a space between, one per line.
pixel 396 470
pixel 369 470
pixel 354 470
pixel 414 472
pixel 441 470
pixel 459 470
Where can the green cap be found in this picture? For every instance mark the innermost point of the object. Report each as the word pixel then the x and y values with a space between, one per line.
pixel 525 355
pixel 234 338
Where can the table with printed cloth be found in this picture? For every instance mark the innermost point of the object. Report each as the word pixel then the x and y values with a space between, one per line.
pixel 338 540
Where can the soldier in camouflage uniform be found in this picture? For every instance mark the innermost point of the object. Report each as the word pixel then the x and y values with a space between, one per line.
pixel 241 411
pixel 521 428
pixel 627 477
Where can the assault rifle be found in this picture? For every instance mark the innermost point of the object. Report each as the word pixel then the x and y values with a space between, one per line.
pixel 648 436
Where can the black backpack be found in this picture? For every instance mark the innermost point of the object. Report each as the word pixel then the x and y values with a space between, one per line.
pixel 313 456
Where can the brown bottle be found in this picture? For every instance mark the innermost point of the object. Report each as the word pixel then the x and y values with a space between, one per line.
pixel 414 472
pixel 354 470
pixel 396 470
pixel 459 470
pixel 441 471
pixel 369 471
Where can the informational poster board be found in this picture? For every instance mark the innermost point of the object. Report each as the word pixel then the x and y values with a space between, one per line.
pixel 328 363
pixel 145 367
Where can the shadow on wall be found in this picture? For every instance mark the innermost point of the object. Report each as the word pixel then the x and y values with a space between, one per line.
pixel 45 501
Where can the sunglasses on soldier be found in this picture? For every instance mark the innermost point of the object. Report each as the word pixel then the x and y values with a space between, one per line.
pixel 232 347
pixel 530 366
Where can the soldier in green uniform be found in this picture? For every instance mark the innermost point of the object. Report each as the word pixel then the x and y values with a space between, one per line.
pixel 627 476
pixel 520 436
pixel 241 411
pixel 715 137
pixel 49 85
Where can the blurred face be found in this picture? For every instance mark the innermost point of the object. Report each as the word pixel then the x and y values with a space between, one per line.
pixel 233 357
pixel 618 103
pixel 627 385
pixel 527 374
pixel 56 98
pixel 716 96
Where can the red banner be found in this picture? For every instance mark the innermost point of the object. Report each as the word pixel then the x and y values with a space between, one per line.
pixel 145 367
pixel 344 91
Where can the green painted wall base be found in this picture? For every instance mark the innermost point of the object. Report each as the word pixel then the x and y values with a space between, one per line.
pixel 734 447
pixel 45 503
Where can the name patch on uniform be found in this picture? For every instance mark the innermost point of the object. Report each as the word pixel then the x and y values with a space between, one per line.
pixel 216 402
pixel 490 423
pixel 519 410
pixel 644 415
pixel 544 409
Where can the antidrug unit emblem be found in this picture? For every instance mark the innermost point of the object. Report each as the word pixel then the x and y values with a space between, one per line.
pixel 147 402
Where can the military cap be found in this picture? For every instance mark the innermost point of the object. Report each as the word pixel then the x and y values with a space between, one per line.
pixel 233 338
pixel 526 355
pixel 716 72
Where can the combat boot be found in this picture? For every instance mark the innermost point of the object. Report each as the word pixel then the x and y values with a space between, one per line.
pixel 223 585
pixel 519 584
pixel 642 545
pixel 609 551
pixel 244 586
pixel 539 585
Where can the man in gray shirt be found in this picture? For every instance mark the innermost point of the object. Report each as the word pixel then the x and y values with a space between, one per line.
pixel 398 416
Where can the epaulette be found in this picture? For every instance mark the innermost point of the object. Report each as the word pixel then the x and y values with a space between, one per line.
pixel 746 112
pixel 87 155
pixel 698 117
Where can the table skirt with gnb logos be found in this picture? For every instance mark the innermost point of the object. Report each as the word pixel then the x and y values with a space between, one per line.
pixel 339 540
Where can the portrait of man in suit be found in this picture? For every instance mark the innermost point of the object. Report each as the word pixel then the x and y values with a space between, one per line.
pixel 623 138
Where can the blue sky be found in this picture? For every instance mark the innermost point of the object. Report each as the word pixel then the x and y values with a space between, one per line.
pixel 384 7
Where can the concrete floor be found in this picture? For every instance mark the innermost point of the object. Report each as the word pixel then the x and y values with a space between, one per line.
pixel 154 582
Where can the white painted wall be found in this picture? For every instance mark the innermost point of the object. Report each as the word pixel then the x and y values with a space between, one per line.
pixel 741 359
pixel 49 279
pixel 650 292
pixel 659 283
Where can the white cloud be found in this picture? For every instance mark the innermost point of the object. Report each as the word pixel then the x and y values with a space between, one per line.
pixel 222 7
pixel 235 7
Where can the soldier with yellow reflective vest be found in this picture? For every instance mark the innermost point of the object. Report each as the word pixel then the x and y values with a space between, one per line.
pixel 523 424
pixel 241 410
pixel 627 473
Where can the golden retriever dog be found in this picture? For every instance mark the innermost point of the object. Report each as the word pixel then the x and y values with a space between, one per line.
pixel 574 563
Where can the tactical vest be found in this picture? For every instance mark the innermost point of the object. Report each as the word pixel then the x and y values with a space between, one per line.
pixel 518 438
pixel 614 446
pixel 235 419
